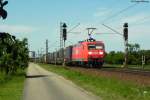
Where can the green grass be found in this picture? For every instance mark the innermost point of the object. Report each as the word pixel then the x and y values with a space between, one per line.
pixel 106 88
pixel 11 87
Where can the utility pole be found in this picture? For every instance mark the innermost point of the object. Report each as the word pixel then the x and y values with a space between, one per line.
pixel 61 35
pixel 38 56
pixel 55 55
pixel 46 51
pixel 125 32
pixel 41 55
pixel 33 56
pixel 143 61
pixel 64 35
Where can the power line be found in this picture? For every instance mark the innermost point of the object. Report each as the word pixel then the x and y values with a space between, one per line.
pixel 112 30
pixel 137 1
pixel 75 32
pixel 116 14
pixel 140 20
pixel 53 43
pixel 73 28
pixel 101 33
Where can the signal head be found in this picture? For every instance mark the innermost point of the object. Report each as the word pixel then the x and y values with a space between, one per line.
pixel 125 25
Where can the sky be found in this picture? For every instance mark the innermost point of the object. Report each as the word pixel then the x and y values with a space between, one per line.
pixel 39 20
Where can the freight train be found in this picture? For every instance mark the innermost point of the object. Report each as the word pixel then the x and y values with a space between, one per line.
pixel 89 53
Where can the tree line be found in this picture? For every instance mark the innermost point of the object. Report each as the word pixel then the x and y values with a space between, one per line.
pixel 13 53
pixel 134 56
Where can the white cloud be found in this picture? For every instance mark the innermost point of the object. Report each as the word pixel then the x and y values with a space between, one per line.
pixel 16 29
pixel 140 17
pixel 140 30
pixel 102 12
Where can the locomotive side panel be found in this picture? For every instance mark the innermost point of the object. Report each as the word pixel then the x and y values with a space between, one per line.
pixel 60 56
pixel 77 53
pixel 68 55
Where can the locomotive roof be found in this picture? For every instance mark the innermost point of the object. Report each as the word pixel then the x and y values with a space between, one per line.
pixel 92 42
pixel 88 42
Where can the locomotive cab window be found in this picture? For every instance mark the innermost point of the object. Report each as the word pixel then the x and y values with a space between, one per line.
pixel 92 47
pixel 99 47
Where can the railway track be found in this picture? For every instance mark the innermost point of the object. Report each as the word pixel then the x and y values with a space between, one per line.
pixel 137 76
pixel 119 70
pixel 127 70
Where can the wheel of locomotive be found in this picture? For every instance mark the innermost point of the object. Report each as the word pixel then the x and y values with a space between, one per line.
pixel 83 64
pixel 100 65
pixel 94 64
pixel 89 65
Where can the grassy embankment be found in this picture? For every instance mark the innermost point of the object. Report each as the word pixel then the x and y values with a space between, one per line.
pixel 106 88
pixel 11 86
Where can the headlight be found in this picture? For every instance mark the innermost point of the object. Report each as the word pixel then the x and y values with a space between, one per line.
pixel 89 53
pixel 101 53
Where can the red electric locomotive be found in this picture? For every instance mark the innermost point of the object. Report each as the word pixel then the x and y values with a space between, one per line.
pixel 89 52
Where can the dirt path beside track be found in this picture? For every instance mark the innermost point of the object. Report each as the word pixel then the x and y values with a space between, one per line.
pixel 44 85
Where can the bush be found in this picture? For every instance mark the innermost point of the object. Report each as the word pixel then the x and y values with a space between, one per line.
pixel 13 53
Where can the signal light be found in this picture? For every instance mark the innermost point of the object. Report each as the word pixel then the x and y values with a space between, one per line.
pixel 125 31
pixel 65 34
pixel 64 31
pixel 64 25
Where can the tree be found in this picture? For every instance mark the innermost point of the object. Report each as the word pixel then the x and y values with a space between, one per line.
pixel 14 53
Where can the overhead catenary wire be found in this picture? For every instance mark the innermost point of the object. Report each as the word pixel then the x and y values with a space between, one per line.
pixel 103 22
pixel 110 16
pixel 140 20
pixel 113 30
pixel 118 13
pixel 100 33
pixel 69 31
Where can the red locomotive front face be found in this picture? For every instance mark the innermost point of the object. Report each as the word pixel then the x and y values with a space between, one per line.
pixel 96 50
pixel 89 52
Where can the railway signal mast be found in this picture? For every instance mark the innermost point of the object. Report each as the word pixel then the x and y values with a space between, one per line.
pixel 125 35
pixel 64 32
pixel 143 61
pixel 46 50
pixel 63 36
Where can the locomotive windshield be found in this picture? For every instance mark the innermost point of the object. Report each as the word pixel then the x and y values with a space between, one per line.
pixel 90 47
pixel 93 47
